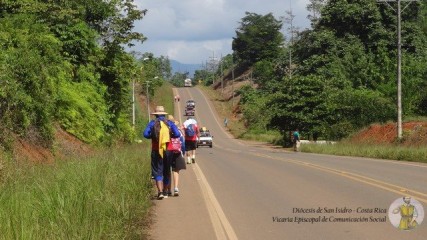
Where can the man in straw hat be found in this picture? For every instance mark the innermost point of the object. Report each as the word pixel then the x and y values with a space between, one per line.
pixel 160 130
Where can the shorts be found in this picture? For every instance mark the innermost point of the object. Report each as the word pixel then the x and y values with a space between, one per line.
pixel 190 145
pixel 177 162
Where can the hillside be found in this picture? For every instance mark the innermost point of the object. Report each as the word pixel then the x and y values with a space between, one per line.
pixel 66 146
pixel 414 134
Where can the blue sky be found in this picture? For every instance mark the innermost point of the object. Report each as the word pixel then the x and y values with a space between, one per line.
pixel 193 31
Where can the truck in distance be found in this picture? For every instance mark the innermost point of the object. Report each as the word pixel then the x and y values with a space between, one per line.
pixel 188 83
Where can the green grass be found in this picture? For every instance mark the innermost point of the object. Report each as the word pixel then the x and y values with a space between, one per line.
pixel 105 196
pixel 101 197
pixel 393 152
pixel 263 136
pixel 164 97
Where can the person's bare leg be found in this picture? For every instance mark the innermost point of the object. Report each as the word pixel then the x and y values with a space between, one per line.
pixel 188 153
pixel 176 182
pixel 193 156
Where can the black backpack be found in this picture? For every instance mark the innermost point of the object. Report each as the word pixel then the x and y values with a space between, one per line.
pixel 155 130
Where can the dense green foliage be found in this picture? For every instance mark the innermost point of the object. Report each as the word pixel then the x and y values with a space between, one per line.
pixel 178 78
pixel 64 62
pixel 258 38
pixel 344 69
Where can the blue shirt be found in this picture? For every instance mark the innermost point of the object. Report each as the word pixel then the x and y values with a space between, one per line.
pixel 174 129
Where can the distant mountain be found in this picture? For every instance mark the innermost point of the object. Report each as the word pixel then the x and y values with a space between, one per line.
pixel 182 67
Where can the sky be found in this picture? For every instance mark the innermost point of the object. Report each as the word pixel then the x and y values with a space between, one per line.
pixel 195 31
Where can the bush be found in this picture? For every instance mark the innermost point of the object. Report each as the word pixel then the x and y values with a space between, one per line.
pixel 82 110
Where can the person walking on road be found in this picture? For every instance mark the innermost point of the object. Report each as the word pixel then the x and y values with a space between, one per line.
pixel 177 162
pixel 296 140
pixel 160 131
pixel 191 131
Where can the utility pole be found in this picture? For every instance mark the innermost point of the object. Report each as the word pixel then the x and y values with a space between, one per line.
pixel 289 18
pixel 232 87
pixel 133 95
pixel 222 76
pixel 213 66
pixel 148 101
pixel 399 60
pixel 148 98
pixel 133 103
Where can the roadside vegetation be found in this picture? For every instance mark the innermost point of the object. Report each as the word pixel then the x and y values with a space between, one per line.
pixel 106 196
pixel 336 84
pixel 345 147
pixel 390 151
pixel 76 75
pixel 337 81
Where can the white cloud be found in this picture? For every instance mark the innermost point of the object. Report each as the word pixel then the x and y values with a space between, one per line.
pixel 191 31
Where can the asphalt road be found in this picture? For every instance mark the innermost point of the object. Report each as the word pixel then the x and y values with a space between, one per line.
pixel 249 190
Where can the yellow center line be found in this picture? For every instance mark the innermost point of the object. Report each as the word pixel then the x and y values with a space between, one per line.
pixel 367 180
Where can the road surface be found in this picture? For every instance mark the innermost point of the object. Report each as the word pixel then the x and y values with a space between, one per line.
pixel 248 190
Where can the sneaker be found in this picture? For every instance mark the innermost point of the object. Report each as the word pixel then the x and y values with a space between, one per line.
pixel 165 195
pixel 169 194
pixel 160 196
pixel 193 160
pixel 188 162
pixel 176 192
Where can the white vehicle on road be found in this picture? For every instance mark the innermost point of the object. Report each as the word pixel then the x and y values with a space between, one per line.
pixel 205 139
pixel 188 83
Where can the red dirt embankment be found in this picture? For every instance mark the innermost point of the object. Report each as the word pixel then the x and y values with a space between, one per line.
pixel 65 146
pixel 414 134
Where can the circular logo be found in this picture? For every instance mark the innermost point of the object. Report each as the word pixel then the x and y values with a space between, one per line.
pixel 406 213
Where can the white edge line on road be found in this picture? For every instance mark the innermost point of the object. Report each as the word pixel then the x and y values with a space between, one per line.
pixel 215 115
pixel 221 225
pixel 218 218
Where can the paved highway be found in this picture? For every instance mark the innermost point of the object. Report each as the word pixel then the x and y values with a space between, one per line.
pixel 254 191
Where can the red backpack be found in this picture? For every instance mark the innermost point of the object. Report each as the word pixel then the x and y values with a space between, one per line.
pixel 174 145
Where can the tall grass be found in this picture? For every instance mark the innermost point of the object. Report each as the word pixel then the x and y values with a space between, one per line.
pixel 164 97
pixel 263 136
pixel 102 197
pixel 393 152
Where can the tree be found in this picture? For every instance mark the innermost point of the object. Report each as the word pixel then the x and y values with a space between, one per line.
pixel 178 78
pixel 30 64
pixel 301 103
pixel 74 65
pixel 257 38
pixel 315 9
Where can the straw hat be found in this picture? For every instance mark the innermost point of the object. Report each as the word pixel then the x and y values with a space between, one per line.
pixel 160 110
